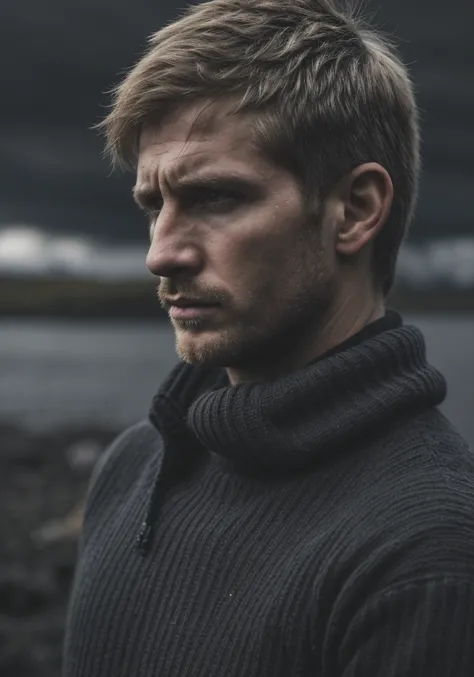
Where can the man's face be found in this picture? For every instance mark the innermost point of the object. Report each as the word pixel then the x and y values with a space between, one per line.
pixel 228 229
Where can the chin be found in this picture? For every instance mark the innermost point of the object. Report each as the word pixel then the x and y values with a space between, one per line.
pixel 242 343
pixel 213 348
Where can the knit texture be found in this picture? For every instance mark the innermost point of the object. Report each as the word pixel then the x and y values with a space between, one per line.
pixel 321 524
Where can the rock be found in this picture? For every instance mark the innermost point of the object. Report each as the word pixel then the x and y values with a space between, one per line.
pixel 43 481
pixel 59 529
pixel 16 445
pixel 83 455
pixel 24 594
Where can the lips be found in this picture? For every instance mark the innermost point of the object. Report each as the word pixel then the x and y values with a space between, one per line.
pixel 191 312
pixel 187 303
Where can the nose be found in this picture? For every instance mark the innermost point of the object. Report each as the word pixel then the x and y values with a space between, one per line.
pixel 172 252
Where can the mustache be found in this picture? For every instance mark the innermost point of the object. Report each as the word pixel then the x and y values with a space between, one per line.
pixel 189 289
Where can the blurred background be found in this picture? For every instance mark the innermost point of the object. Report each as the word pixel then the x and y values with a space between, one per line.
pixel 83 345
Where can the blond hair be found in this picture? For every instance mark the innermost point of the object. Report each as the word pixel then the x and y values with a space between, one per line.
pixel 329 91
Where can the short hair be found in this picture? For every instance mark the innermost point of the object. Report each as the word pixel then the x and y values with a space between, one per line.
pixel 329 91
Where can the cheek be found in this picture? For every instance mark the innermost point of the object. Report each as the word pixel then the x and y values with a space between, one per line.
pixel 261 253
pixel 271 242
pixel 257 260
pixel 262 276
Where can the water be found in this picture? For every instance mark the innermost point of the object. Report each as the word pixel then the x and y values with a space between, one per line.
pixel 54 373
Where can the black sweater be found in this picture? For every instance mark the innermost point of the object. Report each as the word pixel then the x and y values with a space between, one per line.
pixel 320 525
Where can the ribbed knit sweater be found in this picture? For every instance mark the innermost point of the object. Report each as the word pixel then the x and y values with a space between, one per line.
pixel 320 525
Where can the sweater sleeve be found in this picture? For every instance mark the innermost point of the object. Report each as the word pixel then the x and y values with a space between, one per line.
pixel 422 629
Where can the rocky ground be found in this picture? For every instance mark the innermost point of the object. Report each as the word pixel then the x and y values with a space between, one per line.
pixel 43 479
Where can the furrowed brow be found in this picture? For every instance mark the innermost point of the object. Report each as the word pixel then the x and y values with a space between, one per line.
pixel 214 181
pixel 147 197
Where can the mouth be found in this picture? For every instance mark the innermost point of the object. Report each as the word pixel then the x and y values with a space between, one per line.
pixel 190 309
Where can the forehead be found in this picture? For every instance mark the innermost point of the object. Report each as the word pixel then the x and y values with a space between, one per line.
pixel 197 137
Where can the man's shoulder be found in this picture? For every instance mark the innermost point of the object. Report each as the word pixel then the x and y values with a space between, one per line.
pixel 426 442
pixel 412 513
pixel 416 482
pixel 446 453
pixel 123 461
pixel 426 461
pixel 129 446
pixel 423 491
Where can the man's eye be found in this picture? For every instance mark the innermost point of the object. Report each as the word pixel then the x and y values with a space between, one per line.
pixel 216 201
pixel 153 206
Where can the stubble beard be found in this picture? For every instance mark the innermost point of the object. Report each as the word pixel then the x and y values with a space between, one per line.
pixel 269 331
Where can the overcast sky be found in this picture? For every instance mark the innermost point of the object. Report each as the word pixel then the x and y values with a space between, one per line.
pixel 59 57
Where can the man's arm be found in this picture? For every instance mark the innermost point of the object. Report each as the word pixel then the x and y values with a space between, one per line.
pixel 419 629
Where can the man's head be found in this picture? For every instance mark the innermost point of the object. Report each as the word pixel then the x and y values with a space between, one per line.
pixel 316 114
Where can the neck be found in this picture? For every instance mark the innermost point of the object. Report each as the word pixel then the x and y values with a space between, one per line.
pixel 343 321
pixel 337 403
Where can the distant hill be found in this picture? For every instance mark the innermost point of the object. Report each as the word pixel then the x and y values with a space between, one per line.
pixel 59 57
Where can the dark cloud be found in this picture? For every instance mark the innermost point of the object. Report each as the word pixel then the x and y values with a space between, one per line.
pixel 60 57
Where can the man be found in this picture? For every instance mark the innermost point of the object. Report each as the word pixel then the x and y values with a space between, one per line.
pixel 295 504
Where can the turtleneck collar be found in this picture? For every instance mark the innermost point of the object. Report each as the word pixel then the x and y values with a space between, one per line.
pixel 343 397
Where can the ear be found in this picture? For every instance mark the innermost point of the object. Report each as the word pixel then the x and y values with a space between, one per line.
pixel 367 196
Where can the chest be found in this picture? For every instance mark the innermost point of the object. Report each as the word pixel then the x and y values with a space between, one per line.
pixel 229 587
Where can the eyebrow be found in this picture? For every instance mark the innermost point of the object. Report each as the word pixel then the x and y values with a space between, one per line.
pixel 145 195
